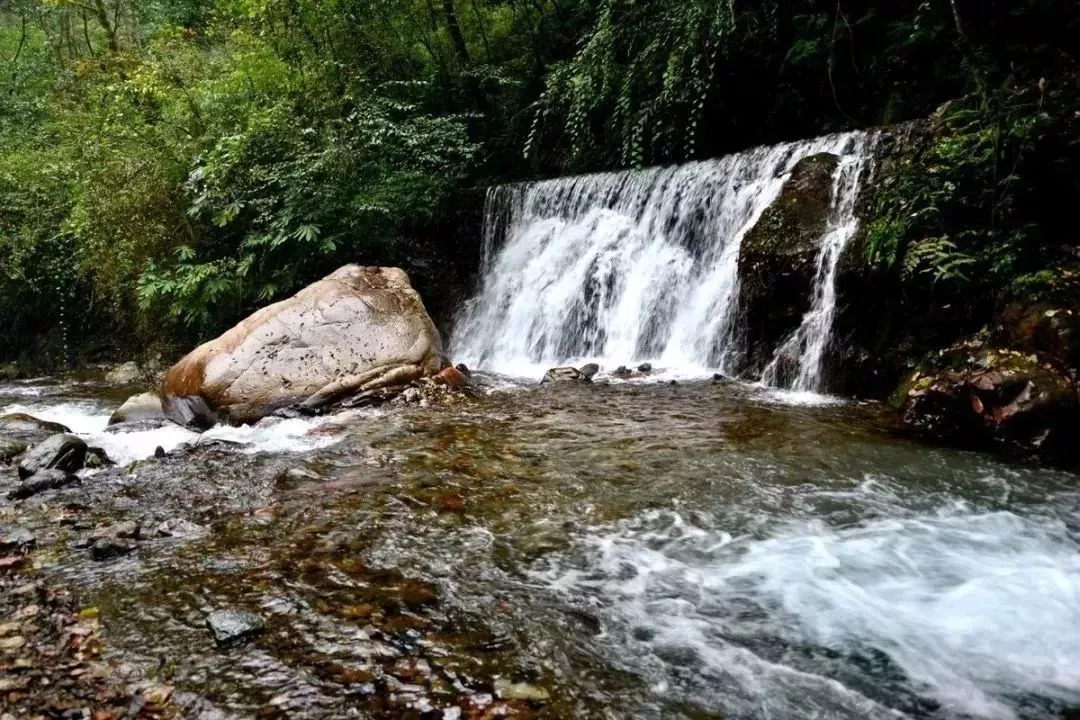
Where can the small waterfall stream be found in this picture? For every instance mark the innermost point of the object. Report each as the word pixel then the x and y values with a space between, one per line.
pixel 638 266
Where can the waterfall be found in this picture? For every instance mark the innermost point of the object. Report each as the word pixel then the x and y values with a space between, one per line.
pixel 628 267
pixel 806 347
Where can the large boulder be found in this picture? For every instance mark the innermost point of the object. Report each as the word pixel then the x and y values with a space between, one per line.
pixel 977 396
pixel 359 329
pixel 778 258
pixel 139 408
pixel 60 452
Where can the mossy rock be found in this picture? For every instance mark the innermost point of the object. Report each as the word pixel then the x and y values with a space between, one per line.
pixel 778 256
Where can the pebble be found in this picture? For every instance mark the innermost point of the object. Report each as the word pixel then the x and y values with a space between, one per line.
pixel 230 627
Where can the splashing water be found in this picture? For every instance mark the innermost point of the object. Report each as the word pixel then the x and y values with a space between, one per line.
pixel 630 267
pixel 968 613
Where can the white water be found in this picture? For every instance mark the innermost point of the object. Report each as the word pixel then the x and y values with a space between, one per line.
pixel 977 613
pixel 89 419
pixel 623 268
pixel 805 348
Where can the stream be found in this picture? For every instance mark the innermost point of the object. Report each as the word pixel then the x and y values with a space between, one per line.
pixel 615 550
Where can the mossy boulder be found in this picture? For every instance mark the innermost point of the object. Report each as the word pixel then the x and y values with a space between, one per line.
pixel 976 395
pixel 778 257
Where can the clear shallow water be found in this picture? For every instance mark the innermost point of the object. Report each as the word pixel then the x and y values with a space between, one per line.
pixel 636 550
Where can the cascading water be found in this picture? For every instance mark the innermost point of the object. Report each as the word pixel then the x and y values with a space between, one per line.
pixel 632 266
pixel 807 345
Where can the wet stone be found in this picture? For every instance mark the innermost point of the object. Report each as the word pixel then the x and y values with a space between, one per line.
pixel 507 690
pixel 110 548
pixel 42 481
pixel 60 452
pixel 231 627
pixel 15 538
pixel 9 449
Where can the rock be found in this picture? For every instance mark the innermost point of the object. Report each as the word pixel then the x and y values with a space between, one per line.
pixel 359 329
pixel 62 452
pixel 622 372
pixel 108 548
pixel 463 369
pixel 507 690
pixel 179 528
pixel 1047 329
pixel 15 538
pixel 645 368
pixel 97 458
pixel 128 530
pixel 231 627
pixel 10 449
pixel 590 370
pixel 972 395
pixel 42 480
pixel 564 374
pixel 778 258
pixel 137 426
pixel 21 423
pixel 140 408
pixel 453 377
pixel 126 374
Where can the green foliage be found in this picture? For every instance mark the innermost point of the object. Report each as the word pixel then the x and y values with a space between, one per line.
pixel 640 79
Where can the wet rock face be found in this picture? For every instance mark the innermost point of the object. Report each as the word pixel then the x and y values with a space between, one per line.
pixel 778 257
pixel 359 329
pixel 28 427
pixel 61 452
pixel 981 397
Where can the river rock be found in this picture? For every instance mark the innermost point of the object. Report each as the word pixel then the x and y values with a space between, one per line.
pixel 15 538
pixel 359 329
pixel 22 424
pixel 11 448
pixel 62 452
pixel 230 627
pixel 41 481
pixel 977 396
pixel 565 374
pixel 126 374
pixel 778 258
pixel 139 408
pixel 107 548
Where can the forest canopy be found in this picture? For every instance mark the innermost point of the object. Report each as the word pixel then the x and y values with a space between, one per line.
pixel 168 165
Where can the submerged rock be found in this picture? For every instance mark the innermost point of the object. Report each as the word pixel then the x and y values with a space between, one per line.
pixel 62 452
pixel 145 407
pixel 977 396
pixel 359 329
pixel 230 627
pixel 42 480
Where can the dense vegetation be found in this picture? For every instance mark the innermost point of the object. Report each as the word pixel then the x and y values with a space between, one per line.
pixel 166 165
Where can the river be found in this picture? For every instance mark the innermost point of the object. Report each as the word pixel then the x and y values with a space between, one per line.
pixel 617 550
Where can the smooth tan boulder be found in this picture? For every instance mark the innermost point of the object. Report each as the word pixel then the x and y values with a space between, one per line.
pixel 359 329
pixel 138 408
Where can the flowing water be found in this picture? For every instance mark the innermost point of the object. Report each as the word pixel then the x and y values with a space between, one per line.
pixel 608 550
pixel 622 268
